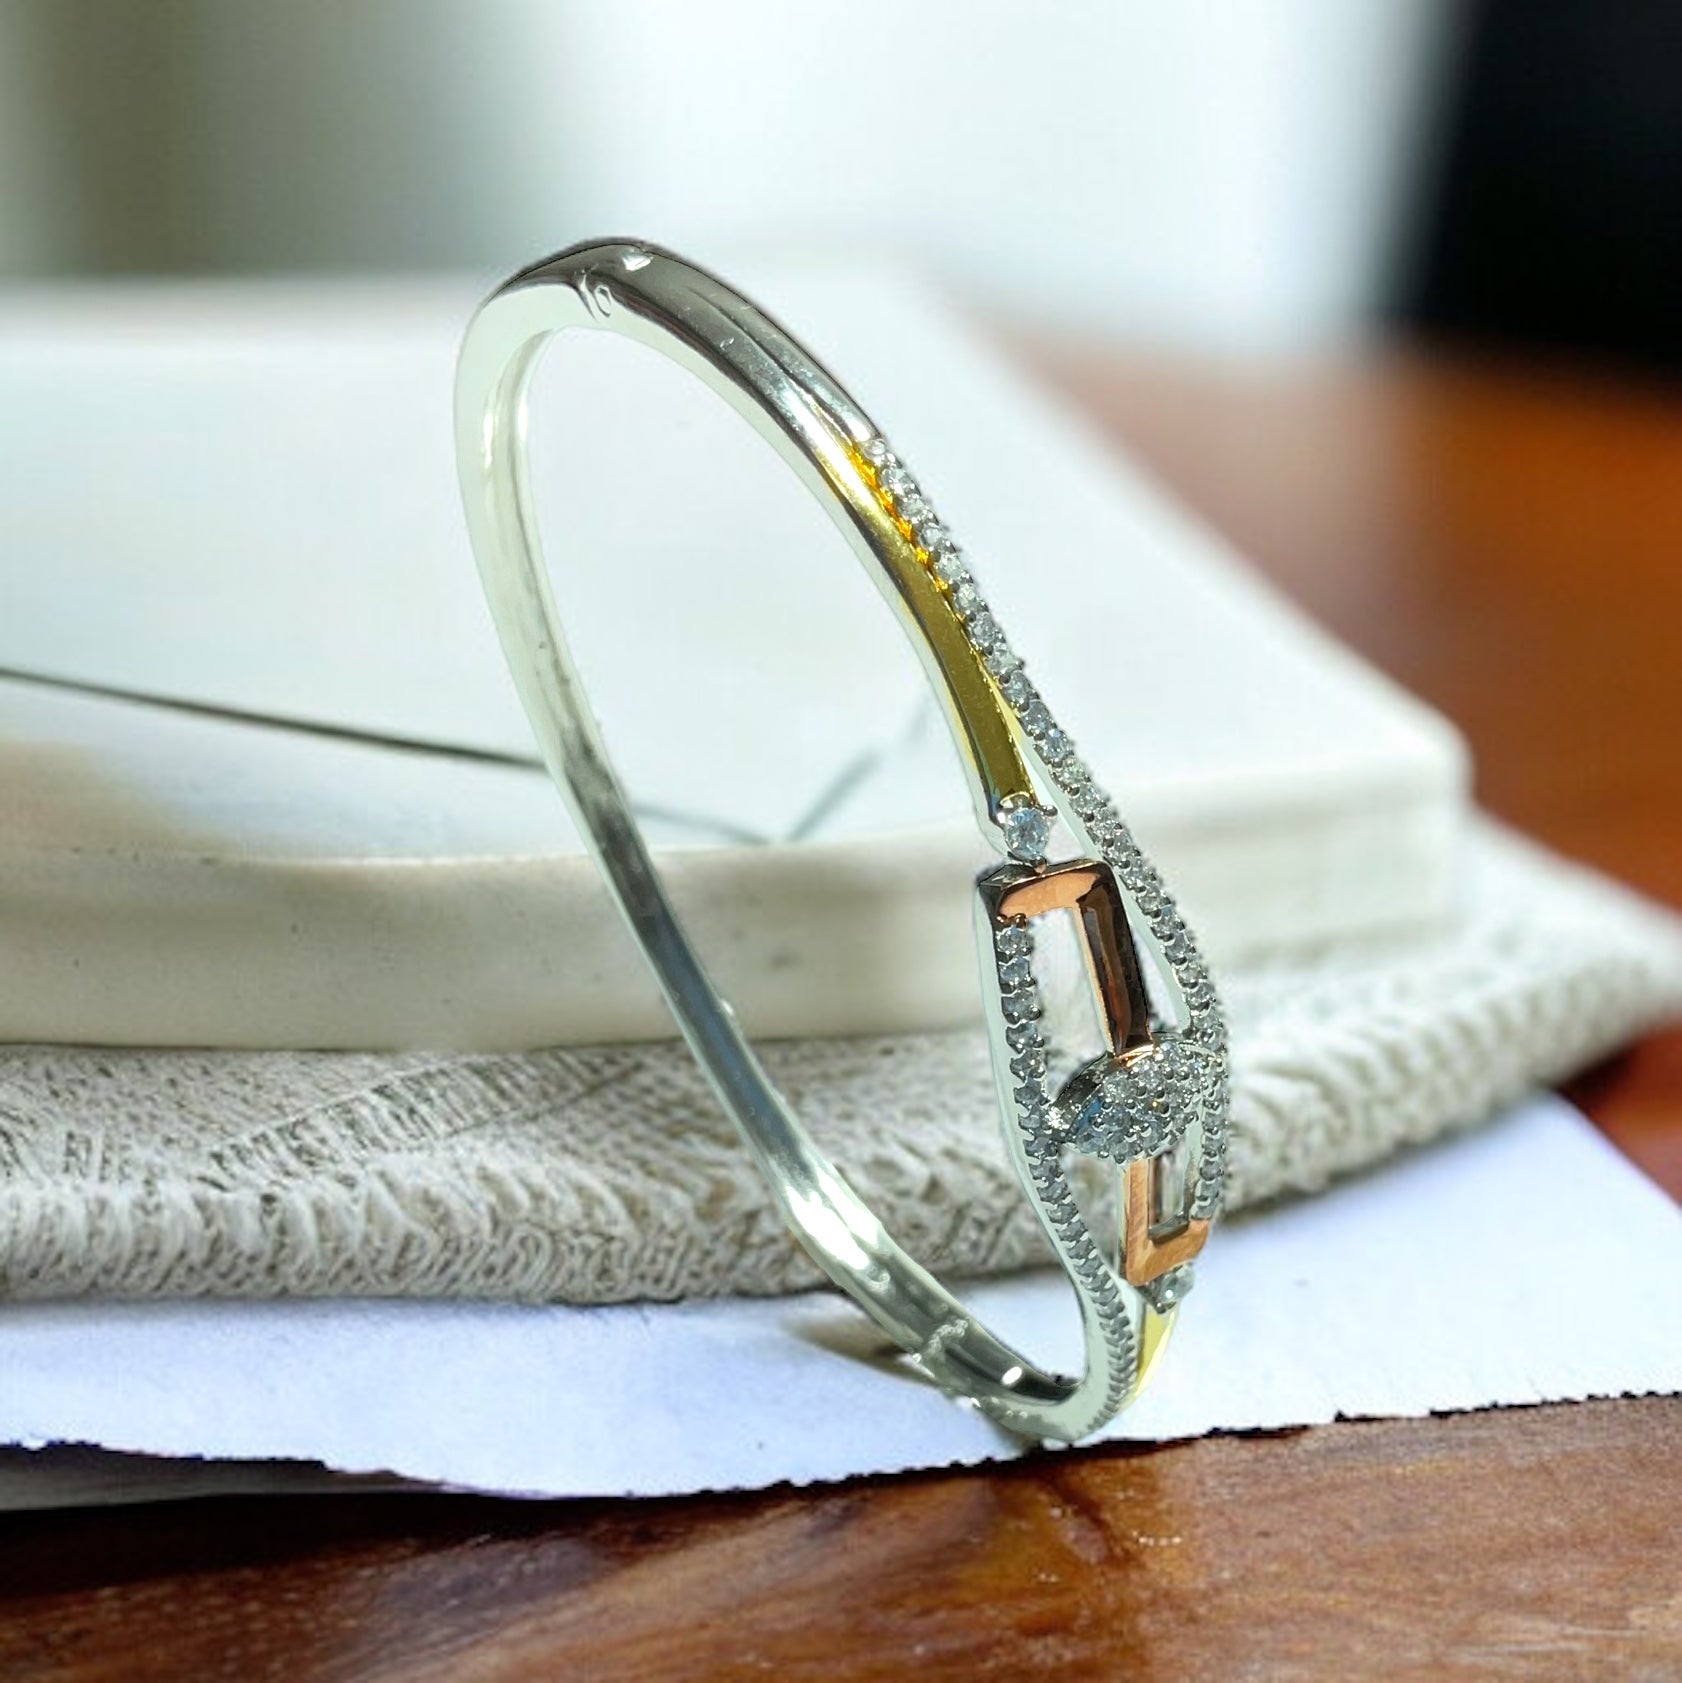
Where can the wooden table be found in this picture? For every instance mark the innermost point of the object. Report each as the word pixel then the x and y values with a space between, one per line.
pixel 1507 544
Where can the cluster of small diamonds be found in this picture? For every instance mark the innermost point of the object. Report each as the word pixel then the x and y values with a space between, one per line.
pixel 1135 1111
pixel 1027 828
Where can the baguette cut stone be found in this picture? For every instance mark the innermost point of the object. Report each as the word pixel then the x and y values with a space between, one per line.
pixel 1145 1100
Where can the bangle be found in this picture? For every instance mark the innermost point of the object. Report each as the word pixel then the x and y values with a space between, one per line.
pixel 1151 1106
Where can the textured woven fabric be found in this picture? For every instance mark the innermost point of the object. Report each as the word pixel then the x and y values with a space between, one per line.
pixel 607 1173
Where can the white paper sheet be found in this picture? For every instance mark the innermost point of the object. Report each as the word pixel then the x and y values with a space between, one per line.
pixel 1525 1263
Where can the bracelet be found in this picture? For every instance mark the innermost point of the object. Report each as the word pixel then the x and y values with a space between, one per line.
pixel 1152 1106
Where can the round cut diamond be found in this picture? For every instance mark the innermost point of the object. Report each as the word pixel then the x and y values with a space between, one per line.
pixel 1012 940
pixel 949 567
pixel 1027 831
pixel 1036 718
pixel 1168 1289
pixel 1019 1007
pixel 1029 1064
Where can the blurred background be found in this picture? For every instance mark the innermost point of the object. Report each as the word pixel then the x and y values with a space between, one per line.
pixel 1261 176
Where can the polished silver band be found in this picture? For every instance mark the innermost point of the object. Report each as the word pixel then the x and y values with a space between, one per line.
pixel 1153 1105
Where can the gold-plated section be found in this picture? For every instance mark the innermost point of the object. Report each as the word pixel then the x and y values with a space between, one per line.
pixel 1154 1333
pixel 1151 1249
pixel 971 694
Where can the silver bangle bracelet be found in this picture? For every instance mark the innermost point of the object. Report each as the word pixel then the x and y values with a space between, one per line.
pixel 1151 1106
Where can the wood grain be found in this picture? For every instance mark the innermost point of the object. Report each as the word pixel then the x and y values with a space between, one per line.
pixel 1536 1542
pixel 1506 543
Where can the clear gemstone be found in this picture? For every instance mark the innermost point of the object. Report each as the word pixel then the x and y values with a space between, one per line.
pixel 876 452
pixel 912 509
pixel 897 482
pixel 984 631
pixel 1168 1289
pixel 1017 690
pixel 1036 718
pixel 1023 1035
pixel 1055 745
pixel 967 599
pixel 1012 940
pixel 930 534
pixel 1027 832
pixel 949 567
pixel 1000 659
pixel 1016 972
pixel 1020 1007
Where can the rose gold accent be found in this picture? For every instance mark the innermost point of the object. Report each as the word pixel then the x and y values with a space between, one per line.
pixel 1144 1255
pixel 1088 889
pixel 1059 889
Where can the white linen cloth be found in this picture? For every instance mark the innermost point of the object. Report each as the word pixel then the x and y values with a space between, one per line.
pixel 604 1174
pixel 1434 1284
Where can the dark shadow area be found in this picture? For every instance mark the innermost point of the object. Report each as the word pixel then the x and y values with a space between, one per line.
pixel 1551 217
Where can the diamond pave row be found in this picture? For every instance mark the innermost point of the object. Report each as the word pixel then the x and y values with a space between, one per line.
pixel 1026 829
pixel 1042 1146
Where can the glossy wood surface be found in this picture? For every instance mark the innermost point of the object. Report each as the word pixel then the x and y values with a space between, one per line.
pixel 1510 546
pixel 1507 543
pixel 1529 1543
